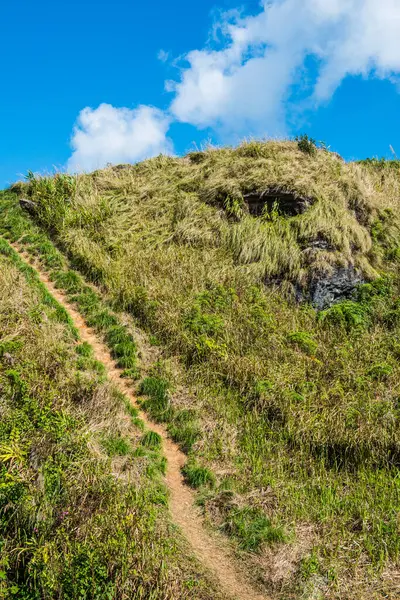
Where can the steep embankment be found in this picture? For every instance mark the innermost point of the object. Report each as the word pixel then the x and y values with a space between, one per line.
pixel 289 416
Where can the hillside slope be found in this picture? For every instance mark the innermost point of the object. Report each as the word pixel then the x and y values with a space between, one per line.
pixel 82 502
pixel 266 282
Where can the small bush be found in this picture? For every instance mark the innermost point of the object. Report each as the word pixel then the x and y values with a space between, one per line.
pixel 84 349
pixel 85 363
pixel 123 348
pixel 349 315
pixel 381 287
pixel 304 342
pixel 10 346
pixel 197 157
pixel 88 301
pixel 262 387
pixel 102 320
pixel 202 323
pixel 184 429
pixel 69 281
pixel 306 144
pixel 116 334
pixel 132 373
pixel 157 403
pixel 5 248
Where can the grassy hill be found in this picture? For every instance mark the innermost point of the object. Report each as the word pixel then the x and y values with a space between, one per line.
pixel 263 282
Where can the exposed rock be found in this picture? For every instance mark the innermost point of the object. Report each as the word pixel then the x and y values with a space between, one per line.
pixel 323 290
pixel 289 203
pixel 28 205
pixel 326 290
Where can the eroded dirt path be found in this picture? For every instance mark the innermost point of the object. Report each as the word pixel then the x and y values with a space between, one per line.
pixel 207 547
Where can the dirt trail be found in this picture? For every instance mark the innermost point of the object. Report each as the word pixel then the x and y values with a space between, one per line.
pixel 207 547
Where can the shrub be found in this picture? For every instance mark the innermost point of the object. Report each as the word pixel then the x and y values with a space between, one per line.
pixel 201 323
pixel 87 301
pixel 69 281
pixel 349 315
pixel 102 320
pixel 306 144
pixel 132 373
pixel 86 363
pixel 116 445
pixel 84 349
pixel 185 429
pixel 381 287
pixel 304 342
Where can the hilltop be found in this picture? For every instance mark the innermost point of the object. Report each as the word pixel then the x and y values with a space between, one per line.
pixel 260 285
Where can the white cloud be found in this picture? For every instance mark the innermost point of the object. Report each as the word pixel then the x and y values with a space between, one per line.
pixel 117 135
pixel 245 86
pixel 249 84
pixel 163 55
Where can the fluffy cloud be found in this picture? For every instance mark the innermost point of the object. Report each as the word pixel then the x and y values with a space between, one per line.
pixel 117 135
pixel 245 86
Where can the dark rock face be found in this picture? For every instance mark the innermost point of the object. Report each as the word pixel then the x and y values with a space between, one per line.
pixel 326 290
pixel 323 290
pixel 28 205
pixel 289 203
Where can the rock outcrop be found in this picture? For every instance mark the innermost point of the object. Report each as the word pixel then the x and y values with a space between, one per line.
pixel 324 291
pixel 288 203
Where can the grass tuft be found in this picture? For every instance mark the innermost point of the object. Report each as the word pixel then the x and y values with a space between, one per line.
pixel 197 476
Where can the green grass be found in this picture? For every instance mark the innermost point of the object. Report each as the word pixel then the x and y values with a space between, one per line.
pixel 300 409
pixel 115 445
pixel 80 515
pixel 157 401
pixel 151 439
pixel 84 349
pixel 184 428
pixel 252 528
pixel 197 476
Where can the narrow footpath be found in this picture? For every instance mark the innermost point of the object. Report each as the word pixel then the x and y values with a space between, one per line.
pixel 207 547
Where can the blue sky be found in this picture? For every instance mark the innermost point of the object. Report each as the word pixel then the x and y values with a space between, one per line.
pixel 188 72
